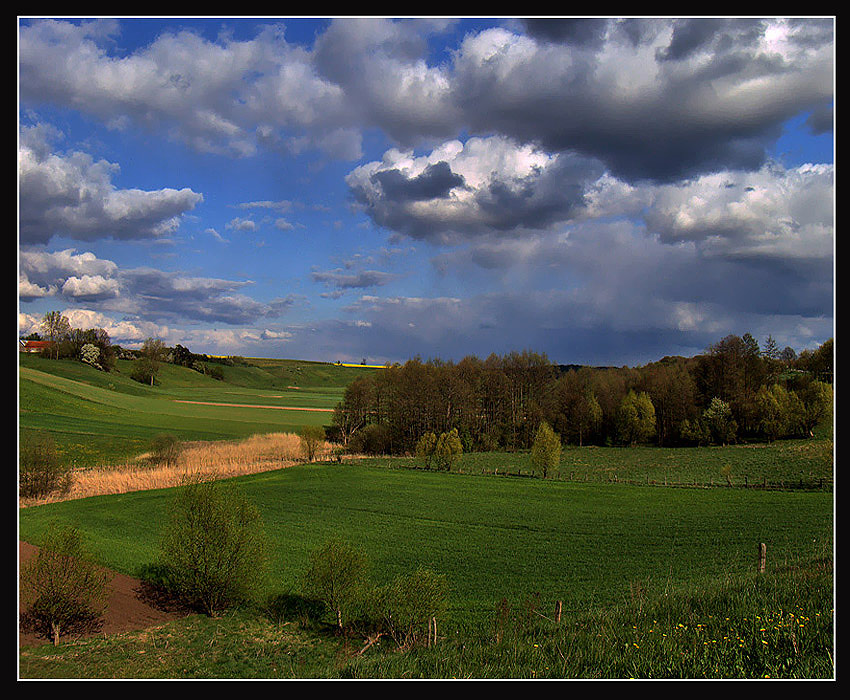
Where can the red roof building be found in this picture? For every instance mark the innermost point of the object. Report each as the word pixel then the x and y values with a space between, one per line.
pixel 34 345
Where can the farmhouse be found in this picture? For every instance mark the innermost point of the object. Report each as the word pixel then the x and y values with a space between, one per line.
pixel 34 345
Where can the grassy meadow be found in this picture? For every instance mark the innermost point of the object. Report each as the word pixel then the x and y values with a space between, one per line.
pixel 652 581
pixel 586 545
pixel 97 418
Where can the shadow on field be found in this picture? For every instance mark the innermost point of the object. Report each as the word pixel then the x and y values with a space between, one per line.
pixel 289 606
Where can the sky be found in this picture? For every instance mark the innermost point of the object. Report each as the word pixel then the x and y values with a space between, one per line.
pixel 604 191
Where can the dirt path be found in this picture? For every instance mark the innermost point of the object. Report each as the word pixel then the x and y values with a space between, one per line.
pixel 128 608
pixel 251 405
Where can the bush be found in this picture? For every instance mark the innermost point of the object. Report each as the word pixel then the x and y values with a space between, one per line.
pixel 425 449
pixel 374 439
pixel 546 450
pixel 695 432
pixel 337 577
pixel 62 589
pixel 40 470
pixel 90 354
pixel 312 438
pixel 144 371
pixel 447 450
pixel 213 550
pixel 410 602
pixel 166 450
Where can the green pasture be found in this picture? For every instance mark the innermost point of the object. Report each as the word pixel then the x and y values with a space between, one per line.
pixel 586 545
pixel 782 464
pixel 100 418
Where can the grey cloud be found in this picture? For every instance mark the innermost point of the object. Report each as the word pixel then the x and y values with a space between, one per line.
pixel 820 121
pixel 73 196
pixel 574 30
pixel 653 99
pixel 357 280
pixel 688 118
pixel 691 35
pixel 437 180
pixel 509 189
pixel 52 269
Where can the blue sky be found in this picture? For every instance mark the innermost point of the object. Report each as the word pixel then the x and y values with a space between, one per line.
pixel 605 191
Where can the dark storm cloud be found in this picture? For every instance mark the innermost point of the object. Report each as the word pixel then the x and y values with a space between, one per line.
pixel 671 102
pixel 437 180
pixel 575 30
pixel 692 35
pixel 821 120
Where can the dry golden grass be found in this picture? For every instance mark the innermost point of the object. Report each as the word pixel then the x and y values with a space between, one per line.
pixel 221 460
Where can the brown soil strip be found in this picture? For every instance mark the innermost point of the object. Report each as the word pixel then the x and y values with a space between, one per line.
pixel 250 405
pixel 130 607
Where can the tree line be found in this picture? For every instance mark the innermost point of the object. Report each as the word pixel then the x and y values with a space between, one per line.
pixel 94 347
pixel 734 390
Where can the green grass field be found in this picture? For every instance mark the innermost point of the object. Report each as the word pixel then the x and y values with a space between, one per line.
pixel 99 418
pixel 654 581
pixel 782 464
pixel 583 544
pixel 590 546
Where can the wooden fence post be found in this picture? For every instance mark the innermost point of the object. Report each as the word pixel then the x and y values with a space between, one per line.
pixel 762 557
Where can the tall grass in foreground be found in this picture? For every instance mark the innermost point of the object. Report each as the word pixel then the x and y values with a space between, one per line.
pixel 221 459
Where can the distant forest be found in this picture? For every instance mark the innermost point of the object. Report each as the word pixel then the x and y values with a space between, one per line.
pixel 734 391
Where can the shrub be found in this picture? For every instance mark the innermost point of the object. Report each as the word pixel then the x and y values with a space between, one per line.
pixel 546 449
pixel 166 450
pixel 213 550
pixel 695 431
pixel 447 450
pixel 425 449
pixel 337 577
pixel 144 371
pixel 374 439
pixel 312 437
pixel 409 603
pixel 62 589
pixel 90 354
pixel 41 471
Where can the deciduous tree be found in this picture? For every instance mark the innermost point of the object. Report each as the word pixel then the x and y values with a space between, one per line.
pixel 62 589
pixel 55 326
pixel 546 449
pixel 635 418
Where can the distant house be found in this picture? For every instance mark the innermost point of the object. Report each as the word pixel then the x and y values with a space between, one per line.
pixel 34 345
